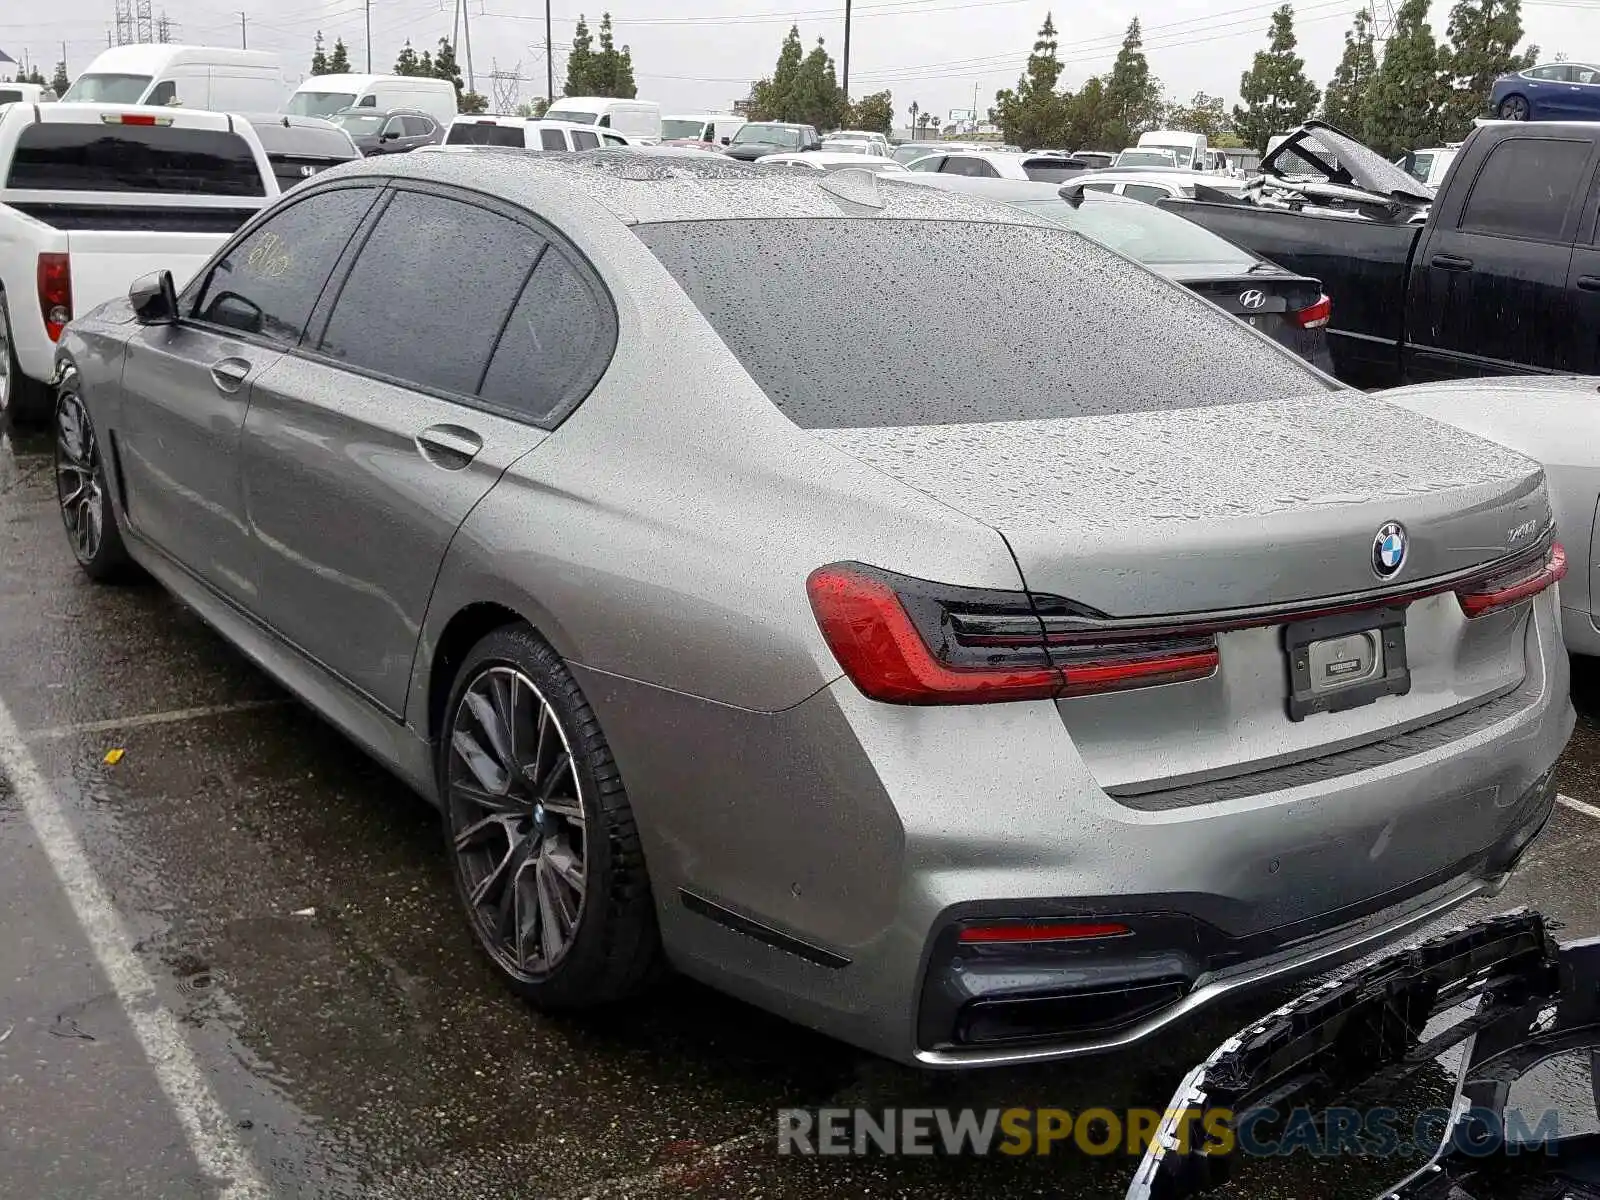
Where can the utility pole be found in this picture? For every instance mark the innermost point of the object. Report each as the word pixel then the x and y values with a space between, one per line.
pixel 244 41
pixel 455 25
pixel 466 30
pixel 369 37
pixel 845 85
pixel 549 59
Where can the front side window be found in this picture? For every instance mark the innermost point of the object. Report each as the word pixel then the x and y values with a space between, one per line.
pixel 359 124
pixel 268 283
pixel 1525 188
pixel 134 158
pixel 394 127
pixel 427 298
pixel 416 126
pixel 582 139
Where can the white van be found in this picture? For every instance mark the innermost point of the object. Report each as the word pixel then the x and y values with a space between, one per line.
pixel 206 77
pixel 24 93
pixel 638 119
pixel 711 129
pixel 1188 148
pixel 324 95
pixel 525 133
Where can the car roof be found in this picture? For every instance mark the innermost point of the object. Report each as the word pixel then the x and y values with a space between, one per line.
pixel 653 184
pixel 382 112
pixel 830 158
pixel 1005 191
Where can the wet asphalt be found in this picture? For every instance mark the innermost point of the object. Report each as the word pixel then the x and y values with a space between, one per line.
pixel 293 905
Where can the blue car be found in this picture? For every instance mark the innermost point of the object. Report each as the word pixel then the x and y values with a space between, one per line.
pixel 1563 91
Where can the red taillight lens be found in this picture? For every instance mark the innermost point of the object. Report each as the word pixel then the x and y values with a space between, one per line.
pixel 1315 317
pixel 1040 931
pixel 55 292
pixel 906 641
pixel 1516 586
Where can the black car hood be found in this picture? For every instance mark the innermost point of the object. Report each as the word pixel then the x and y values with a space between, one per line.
pixel 1356 166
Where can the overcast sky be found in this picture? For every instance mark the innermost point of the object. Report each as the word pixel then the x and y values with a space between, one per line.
pixel 697 55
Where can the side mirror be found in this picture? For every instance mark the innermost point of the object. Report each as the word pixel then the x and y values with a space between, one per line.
pixel 726 140
pixel 388 135
pixel 154 298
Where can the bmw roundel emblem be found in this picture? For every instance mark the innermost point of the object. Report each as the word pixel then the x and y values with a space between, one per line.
pixel 1389 550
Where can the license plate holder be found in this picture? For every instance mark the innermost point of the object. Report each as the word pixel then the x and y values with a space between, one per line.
pixel 1346 660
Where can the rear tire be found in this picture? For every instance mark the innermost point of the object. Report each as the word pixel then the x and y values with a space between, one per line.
pixel 23 401
pixel 1514 108
pixel 543 843
pixel 83 493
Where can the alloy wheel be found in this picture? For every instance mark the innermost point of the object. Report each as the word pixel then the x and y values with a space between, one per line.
pixel 1515 108
pixel 80 477
pixel 515 808
pixel 5 367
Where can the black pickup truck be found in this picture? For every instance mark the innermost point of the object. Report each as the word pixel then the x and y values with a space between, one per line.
pixel 1497 274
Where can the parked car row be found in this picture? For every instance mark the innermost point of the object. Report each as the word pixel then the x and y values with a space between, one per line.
pixel 998 694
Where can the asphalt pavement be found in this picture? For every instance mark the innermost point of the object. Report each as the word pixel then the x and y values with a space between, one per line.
pixel 231 963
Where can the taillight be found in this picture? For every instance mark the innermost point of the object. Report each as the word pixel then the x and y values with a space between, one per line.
pixel 907 641
pixel 1040 931
pixel 1516 584
pixel 55 292
pixel 133 119
pixel 1315 317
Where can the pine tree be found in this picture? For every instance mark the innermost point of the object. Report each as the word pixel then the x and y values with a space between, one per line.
pixel 407 63
pixel 59 83
pixel 425 65
pixel 1403 114
pixel 580 61
pixel 1089 118
pixel 1483 43
pixel 339 60
pixel 444 67
pixel 819 101
pixel 1276 93
pixel 1345 103
pixel 773 99
pixel 1132 95
pixel 34 76
pixel 319 59
pixel 613 68
pixel 1034 114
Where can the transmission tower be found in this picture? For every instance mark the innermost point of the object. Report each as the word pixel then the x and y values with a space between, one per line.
pixel 166 29
pixel 1382 19
pixel 145 27
pixel 505 87
pixel 124 22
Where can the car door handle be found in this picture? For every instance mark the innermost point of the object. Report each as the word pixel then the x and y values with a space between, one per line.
pixel 1589 283
pixel 1451 262
pixel 449 446
pixel 229 374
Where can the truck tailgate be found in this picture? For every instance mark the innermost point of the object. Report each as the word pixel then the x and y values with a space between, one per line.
pixel 105 262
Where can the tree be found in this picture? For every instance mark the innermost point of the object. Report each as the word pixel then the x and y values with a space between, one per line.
pixel 1346 102
pixel 1483 42
pixel 34 76
pixel 1132 95
pixel 533 109
pixel 339 60
pixel 874 112
pixel 611 70
pixel 407 63
pixel 1034 113
pixel 445 67
pixel 472 102
pixel 818 98
pixel 59 83
pixel 1275 91
pixel 319 58
pixel 775 98
pixel 1204 114
pixel 580 61
pixel 1089 119
pixel 1403 113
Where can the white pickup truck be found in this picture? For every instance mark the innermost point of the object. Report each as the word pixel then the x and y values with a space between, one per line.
pixel 91 197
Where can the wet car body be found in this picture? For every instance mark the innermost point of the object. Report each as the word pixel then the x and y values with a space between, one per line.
pixel 878 722
pixel 392 131
pixel 300 147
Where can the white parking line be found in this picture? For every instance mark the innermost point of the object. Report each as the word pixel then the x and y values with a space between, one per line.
pixel 170 717
pixel 206 1126
pixel 1587 810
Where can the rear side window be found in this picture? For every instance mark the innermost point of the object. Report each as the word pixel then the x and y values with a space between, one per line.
pixel 552 139
pixel 1525 188
pixel 427 298
pixel 825 339
pixel 582 139
pixel 484 133
pixel 555 345
pixel 134 158
pixel 975 168
pixel 269 282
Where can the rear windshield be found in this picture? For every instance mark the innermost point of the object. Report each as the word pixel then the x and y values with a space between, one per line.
pixel 482 133
pixel 1009 323
pixel 1144 233
pixel 134 158
pixel 108 89
pixel 318 104
pixel 674 129
pixel 1051 170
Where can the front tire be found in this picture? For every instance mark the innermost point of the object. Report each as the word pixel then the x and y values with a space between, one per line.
pixel 1515 108
pixel 23 401
pixel 82 492
pixel 543 843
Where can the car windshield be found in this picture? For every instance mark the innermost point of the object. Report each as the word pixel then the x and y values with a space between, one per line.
pixel 359 123
pixel 1145 158
pixel 674 129
pixel 577 118
pixel 1183 155
pixel 767 135
pixel 319 104
pixel 1144 233
pixel 108 89
pixel 1059 327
